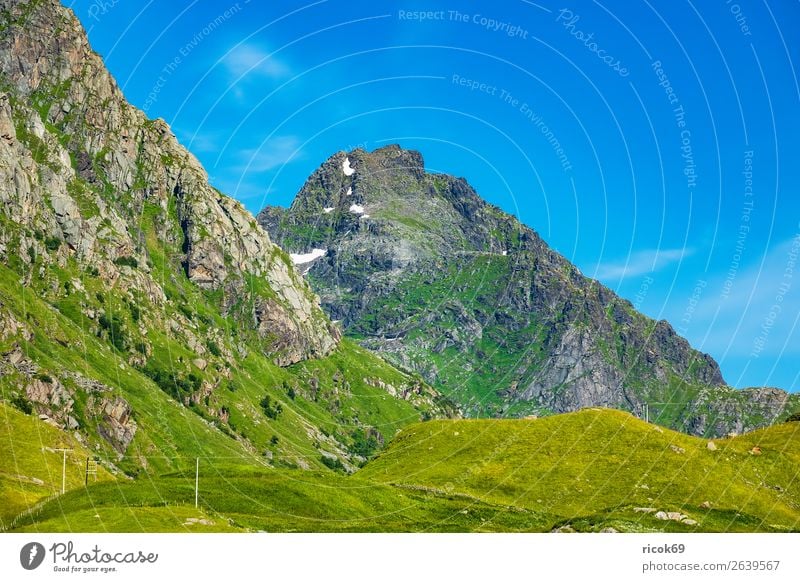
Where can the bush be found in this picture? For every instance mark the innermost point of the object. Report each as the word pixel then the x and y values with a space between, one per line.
pixel 269 410
pixel 334 464
pixel 112 324
pixel 794 417
pixel 186 311
pixel 363 445
pixel 52 243
pixel 213 348
pixel 136 313
pixel 274 440
pixel 22 404
pixel 171 382
pixel 126 262
pixel 46 378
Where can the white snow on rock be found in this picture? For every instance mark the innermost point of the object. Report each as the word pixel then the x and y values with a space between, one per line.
pixel 356 209
pixel 328 209
pixel 301 259
pixel 348 171
pixel 349 191
pixel 505 253
pixel 365 216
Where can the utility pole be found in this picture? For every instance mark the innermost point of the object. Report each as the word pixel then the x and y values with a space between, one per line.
pixel 91 469
pixel 63 466
pixel 196 481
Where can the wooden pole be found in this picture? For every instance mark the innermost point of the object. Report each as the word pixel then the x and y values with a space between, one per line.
pixel 64 474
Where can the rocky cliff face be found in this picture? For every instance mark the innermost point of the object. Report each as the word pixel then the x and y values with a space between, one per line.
pixel 420 268
pixel 141 308
pixel 82 165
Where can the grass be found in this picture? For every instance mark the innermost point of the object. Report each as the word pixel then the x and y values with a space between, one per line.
pixel 604 462
pixel 585 471
pixel 278 500
pixel 31 470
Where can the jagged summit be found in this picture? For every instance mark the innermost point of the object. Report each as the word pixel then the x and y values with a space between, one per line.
pixel 419 267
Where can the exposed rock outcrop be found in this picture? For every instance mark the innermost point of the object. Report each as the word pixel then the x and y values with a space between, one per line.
pixel 87 167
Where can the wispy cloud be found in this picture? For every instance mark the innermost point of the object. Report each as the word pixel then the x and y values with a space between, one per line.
pixel 639 263
pixel 758 316
pixel 199 142
pixel 273 153
pixel 248 58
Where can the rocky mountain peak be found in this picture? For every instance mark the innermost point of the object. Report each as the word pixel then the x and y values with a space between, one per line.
pixel 417 266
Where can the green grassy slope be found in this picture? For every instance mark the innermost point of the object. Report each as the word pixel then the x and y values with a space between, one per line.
pixel 598 465
pixel 32 469
pixel 339 407
pixel 583 471
pixel 277 500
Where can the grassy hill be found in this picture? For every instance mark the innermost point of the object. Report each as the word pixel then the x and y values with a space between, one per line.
pixel 596 467
pixel 32 468
pixel 584 471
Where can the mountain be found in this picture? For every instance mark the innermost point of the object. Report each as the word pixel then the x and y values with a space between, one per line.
pixel 419 268
pixel 143 313
pixel 593 470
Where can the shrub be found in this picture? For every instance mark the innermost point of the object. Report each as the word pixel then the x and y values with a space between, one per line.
pixel 269 410
pixel 363 445
pixel 136 313
pixel 22 404
pixel 213 348
pixel 112 324
pixel 52 243
pixel 794 417
pixel 44 377
pixel 171 382
pixel 126 262
pixel 186 311
pixel 274 440
pixel 334 464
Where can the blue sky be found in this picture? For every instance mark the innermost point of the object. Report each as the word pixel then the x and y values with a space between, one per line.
pixel 652 144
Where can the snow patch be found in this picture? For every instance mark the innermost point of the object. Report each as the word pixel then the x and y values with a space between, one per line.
pixel 505 253
pixel 356 209
pixel 348 171
pixel 301 259
pixel 328 209
pixel 365 216
pixel 349 191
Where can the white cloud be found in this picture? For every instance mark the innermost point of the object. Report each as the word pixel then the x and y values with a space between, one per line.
pixel 639 263
pixel 759 313
pixel 248 58
pixel 275 152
